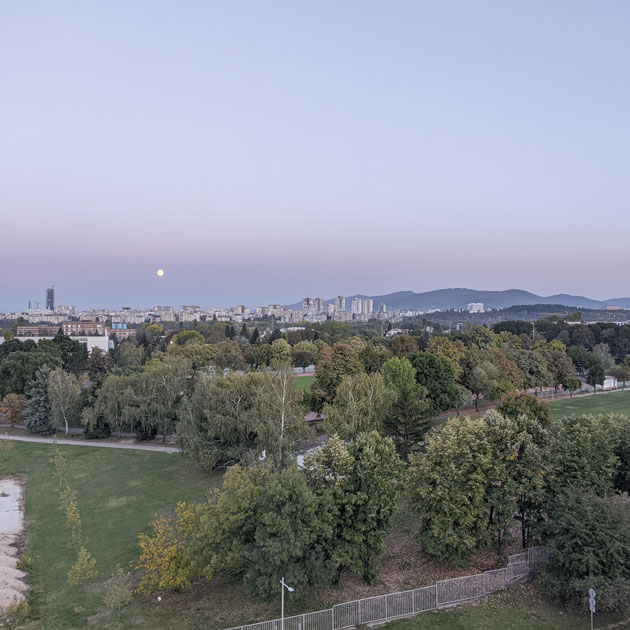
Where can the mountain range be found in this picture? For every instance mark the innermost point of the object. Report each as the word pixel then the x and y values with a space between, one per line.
pixel 446 299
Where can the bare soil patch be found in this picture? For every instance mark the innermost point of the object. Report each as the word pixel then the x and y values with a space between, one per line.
pixel 12 586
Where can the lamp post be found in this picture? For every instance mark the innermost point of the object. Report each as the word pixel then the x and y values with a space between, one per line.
pixel 284 585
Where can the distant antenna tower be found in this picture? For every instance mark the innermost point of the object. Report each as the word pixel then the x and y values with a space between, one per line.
pixel 50 298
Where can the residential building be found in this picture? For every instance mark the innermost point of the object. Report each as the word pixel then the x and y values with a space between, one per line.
pixel 340 303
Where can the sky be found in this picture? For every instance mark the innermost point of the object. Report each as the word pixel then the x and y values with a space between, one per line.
pixel 260 151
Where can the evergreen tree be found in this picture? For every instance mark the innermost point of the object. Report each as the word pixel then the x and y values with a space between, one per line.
pixel 244 333
pixel 255 336
pixel 38 415
pixel 293 533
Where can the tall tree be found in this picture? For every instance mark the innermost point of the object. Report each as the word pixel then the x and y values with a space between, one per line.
pixel 361 403
pixel 407 420
pixel 437 375
pixel 292 535
pixel 363 477
pixel 38 416
pixel 64 394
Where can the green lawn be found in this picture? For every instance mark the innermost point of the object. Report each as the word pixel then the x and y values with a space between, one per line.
pixel 617 402
pixel 304 382
pixel 119 491
pixel 517 608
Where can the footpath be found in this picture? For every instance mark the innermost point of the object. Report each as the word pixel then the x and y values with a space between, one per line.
pixel 95 443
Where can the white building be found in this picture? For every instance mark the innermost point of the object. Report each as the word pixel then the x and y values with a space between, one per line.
pixel 357 306
pixel 476 307
pixel 340 303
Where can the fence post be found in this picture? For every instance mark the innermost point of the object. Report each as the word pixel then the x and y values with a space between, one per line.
pixel 385 596
pixel 333 618
pixel 360 612
pixel 437 603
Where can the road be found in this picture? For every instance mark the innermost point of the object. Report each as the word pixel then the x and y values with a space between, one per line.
pixel 128 447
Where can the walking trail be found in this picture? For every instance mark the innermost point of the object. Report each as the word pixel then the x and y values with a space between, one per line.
pixel 133 447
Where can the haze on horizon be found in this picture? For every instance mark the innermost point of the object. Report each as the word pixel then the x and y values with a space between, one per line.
pixel 263 151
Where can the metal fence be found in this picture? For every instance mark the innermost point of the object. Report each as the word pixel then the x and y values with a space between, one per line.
pixel 410 603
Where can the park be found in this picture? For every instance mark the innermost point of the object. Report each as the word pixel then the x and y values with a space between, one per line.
pixel 120 491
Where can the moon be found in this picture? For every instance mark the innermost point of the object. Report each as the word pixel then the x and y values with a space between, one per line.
pixel 160 272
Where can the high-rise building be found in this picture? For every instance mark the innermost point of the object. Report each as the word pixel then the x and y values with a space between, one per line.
pixel 340 303
pixel 368 306
pixel 357 306
pixel 330 309
pixel 50 299
pixel 307 304
pixel 318 305
pixel 382 308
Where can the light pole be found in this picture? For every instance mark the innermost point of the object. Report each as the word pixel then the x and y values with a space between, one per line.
pixel 284 585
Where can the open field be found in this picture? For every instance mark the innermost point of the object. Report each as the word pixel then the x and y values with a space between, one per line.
pixel 304 382
pixel 615 402
pixel 517 608
pixel 118 494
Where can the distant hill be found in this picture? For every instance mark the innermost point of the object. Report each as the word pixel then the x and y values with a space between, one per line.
pixel 446 299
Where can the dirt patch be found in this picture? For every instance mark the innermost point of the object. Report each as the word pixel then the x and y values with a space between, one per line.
pixel 12 586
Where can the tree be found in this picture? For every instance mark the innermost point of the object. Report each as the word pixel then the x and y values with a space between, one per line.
pixel 437 375
pixel 571 385
pixel 407 420
pixel 280 415
pixel 334 363
pixel 128 354
pixel 404 344
pixel 514 404
pixel 589 537
pixel 158 394
pixel 304 354
pixel 454 351
pixel 483 379
pixel 363 478
pixel 12 409
pixel 465 398
pixel 218 422
pixel 373 357
pixel 118 590
pixel 18 369
pixel 582 455
pixel 244 332
pixel 99 364
pixel 292 535
pixel 255 336
pixel 188 337
pixel 64 394
pixel 360 404
pixel 38 416
pixel 74 354
pixel 595 375
pixel 280 354
pixel 448 490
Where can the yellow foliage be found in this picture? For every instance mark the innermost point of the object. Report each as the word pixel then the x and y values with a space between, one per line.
pixel 163 556
pixel 83 568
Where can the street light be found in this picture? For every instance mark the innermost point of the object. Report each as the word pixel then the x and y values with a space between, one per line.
pixel 284 585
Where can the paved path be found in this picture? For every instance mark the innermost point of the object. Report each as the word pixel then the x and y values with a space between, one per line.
pixel 129 447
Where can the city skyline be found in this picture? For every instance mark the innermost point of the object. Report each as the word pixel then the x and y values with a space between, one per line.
pixel 253 150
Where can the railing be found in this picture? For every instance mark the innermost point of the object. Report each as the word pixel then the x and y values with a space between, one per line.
pixel 410 603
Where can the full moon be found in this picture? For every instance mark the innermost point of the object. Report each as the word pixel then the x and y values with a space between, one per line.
pixel 160 272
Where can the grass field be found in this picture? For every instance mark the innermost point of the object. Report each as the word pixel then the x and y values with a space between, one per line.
pixel 118 494
pixel 518 608
pixel 305 382
pixel 617 402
